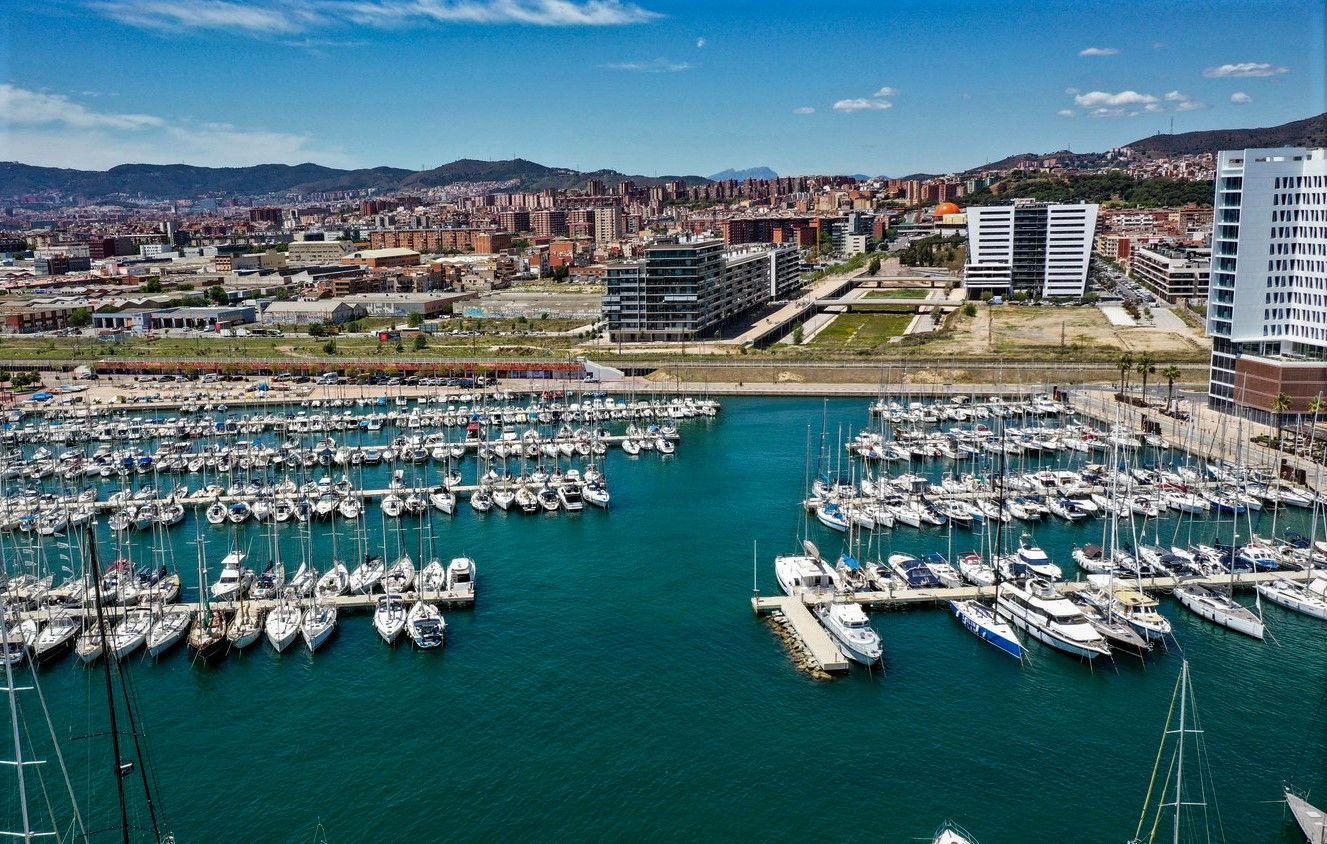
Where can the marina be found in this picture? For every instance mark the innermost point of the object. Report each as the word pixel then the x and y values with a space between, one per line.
pixel 639 620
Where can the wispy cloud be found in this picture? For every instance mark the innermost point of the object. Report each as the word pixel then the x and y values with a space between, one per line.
pixel 22 107
pixel 1184 102
pixel 265 18
pixel 804 110
pixel 1067 112
pixel 1099 51
pixel 875 102
pixel 1240 98
pixel 700 43
pixel 862 104
pixel 1244 69
pixel 651 66
pixel 1093 99
pixel 52 129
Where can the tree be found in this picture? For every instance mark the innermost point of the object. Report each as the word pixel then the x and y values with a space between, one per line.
pixel 1171 374
pixel 317 329
pixel 80 317
pixel 329 348
pixel 874 267
pixel 152 285
pixel 797 335
pixel 1316 406
pixel 415 320
pixel 1125 364
pixel 970 309
pixel 400 347
pixel 1280 405
pixel 421 342
pixel 281 294
pixel 217 294
pixel 1147 365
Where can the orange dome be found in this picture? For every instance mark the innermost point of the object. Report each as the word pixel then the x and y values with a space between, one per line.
pixel 946 208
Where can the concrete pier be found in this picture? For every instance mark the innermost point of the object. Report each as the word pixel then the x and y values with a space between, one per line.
pixel 818 643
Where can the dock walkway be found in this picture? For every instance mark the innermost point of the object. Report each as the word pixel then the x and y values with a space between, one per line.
pixel 808 630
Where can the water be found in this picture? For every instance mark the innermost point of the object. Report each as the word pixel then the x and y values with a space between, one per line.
pixel 613 683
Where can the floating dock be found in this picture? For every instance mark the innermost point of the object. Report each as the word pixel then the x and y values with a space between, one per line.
pixel 820 647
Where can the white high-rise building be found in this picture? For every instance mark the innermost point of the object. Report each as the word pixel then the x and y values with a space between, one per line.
pixel 1039 247
pixel 1267 305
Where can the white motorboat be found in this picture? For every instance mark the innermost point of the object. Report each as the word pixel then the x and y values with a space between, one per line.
pixel 283 625
pixel 1036 559
pixel 461 576
pixel 425 625
pixel 167 630
pixel 850 627
pixel 1219 608
pixel 1116 599
pixel 318 625
pixel 800 573
pixel 232 580
pixel 1035 607
pixel 389 617
pixel 569 494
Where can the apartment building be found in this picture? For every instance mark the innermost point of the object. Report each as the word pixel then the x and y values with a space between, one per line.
pixel 1038 247
pixel 1267 308
pixel 689 290
pixel 1171 271
pixel 317 251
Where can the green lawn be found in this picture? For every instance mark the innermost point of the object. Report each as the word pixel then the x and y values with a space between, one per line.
pixel 860 331
pixel 899 293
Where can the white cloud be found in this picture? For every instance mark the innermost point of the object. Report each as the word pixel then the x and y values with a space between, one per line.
pixel 1240 98
pixel 1244 69
pixel 1112 112
pixel 1099 51
pixel 1191 105
pixel 886 91
pixel 1153 108
pixel 700 43
pixel 284 17
pixel 862 104
pixel 1093 99
pixel 1182 101
pixel 19 106
pixel 52 130
pixel 1066 112
pixel 651 66
pixel 804 110
pixel 1176 96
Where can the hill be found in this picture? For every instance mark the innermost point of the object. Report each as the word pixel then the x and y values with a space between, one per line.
pixel 1095 187
pixel 761 172
pixel 1309 132
pixel 171 181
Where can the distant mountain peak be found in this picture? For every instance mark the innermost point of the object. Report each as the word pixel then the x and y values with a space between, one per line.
pixel 742 175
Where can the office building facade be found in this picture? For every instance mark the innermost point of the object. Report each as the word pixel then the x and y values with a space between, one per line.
pixel 1267 305
pixel 1036 247
pixel 1172 272
pixel 689 290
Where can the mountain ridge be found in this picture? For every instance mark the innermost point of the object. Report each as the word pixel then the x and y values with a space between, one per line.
pixel 179 181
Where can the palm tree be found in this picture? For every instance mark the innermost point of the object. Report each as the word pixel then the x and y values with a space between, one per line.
pixel 1125 364
pixel 1147 365
pixel 1316 406
pixel 1170 373
pixel 1280 405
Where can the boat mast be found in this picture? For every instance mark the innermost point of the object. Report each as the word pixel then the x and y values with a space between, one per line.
pixel 109 656
pixel 13 721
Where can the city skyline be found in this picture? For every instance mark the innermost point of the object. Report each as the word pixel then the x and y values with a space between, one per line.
pixel 651 88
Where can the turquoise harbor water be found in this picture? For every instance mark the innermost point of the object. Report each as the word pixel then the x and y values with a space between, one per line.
pixel 613 683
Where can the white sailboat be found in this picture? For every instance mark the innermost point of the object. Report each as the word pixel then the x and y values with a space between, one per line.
pixel 425 625
pixel 167 629
pixel 283 625
pixel 1219 608
pixel 389 617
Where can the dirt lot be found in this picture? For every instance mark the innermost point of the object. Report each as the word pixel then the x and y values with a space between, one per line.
pixel 1020 330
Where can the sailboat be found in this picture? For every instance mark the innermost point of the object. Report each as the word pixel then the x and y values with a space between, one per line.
pixel 1179 794
pixel 1312 820
pixel 389 617
pixel 207 637
pixel 425 625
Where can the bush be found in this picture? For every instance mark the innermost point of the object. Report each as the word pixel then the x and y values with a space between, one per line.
pixel 415 320
pixel 970 309
pixel 797 335
pixel 329 348
pixel 420 343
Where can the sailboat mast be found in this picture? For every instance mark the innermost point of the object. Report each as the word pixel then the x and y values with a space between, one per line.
pixel 108 657
pixel 13 722
pixel 1179 763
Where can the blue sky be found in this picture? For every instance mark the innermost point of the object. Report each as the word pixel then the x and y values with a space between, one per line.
pixel 651 87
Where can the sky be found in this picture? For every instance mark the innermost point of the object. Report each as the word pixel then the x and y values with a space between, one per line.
pixel 650 87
